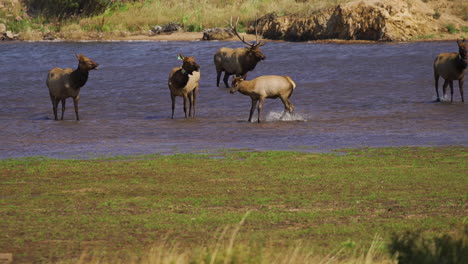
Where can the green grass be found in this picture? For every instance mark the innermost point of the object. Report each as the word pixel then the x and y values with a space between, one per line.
pixel 56 209
pixel 431 36
pixel 452 29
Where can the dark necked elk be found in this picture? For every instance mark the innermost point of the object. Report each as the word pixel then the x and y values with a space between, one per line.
pixel 184 82
pixel 451 67
pixel 238 61
pixel 65 83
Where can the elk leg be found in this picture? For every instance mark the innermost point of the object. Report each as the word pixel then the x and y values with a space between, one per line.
pixel 444 88
pixel 226 78
pixel 460 86
pixel 291 107
pixel 185 105
pixel 436 78
pixel 260 106
pixel 286 106
pixel 252 109
pixel 54 106
pixel 63 108
pixel 190 100
pixel 194 98
pixel 451 91
pixel 56 102
pixel 173 105
pixel 75 104
pixel 218 77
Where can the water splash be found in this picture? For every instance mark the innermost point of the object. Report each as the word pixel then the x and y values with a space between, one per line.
pixel 281 116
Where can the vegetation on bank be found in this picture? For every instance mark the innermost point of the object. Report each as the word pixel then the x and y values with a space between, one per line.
pixel 71 19
pixel 125 17
pixel 344 207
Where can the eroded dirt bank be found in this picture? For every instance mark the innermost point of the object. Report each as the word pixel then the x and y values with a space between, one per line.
pixel 377 20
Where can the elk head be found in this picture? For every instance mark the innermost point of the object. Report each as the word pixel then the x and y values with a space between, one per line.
pixel 235 84
pixel 253 49
pixel 462 46
pixel 85 63
pixel 188 64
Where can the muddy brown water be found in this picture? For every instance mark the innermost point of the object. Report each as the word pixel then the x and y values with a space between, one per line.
pixel 347 95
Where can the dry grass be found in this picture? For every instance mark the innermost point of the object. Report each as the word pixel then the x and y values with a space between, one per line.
pixel 195 15
pixel 227 250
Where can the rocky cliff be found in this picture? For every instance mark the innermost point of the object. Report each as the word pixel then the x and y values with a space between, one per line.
pixel 378 20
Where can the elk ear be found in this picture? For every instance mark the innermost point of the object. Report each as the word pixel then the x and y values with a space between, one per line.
pixel 79 56
pixel 180 57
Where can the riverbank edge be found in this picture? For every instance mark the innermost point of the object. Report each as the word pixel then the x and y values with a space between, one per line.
pixel 216 153
pixel 198 36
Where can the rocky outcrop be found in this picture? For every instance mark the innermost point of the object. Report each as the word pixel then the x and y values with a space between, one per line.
pixel 378 20
pixel 166 29
pixel 7 34
pixel 217 34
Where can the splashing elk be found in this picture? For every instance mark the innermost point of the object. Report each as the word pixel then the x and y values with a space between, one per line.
pixel 260 88
pixel 451 66
pixel 65 83
pixel 238 61
pixel 184 81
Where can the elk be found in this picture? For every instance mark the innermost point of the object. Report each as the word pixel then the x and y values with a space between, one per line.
pixel 451 66
pixel 183 81
pixel 260 88
pixel 65 83
pixel 238 61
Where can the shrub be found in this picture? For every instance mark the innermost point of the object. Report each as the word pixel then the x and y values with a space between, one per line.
pixel 60 9
pixel 412 247
pixel 451 29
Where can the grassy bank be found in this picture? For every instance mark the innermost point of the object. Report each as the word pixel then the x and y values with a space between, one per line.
pixel 187 206
pixel 129 18
pixel 126 18
pixel 196 15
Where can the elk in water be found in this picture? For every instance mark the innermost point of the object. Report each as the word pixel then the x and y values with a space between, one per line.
pixel 238 61
pixel 263 87
pixel 183 81
pixel 64 83
pixel 451 67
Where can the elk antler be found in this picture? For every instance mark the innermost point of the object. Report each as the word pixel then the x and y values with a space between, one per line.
pixel 257 43
pixel 234 30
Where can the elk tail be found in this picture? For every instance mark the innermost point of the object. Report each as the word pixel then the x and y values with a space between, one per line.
pixel 291 82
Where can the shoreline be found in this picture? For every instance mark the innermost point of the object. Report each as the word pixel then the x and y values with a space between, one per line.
pixel 198 36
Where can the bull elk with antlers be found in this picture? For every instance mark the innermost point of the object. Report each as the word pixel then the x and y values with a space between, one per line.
pixel 451 66
pixel 238 61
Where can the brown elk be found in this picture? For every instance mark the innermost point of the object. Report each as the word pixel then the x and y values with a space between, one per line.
pixel 263 87
pixel 183 81
pixel 65 83
pixel 451 66
pixel 238 61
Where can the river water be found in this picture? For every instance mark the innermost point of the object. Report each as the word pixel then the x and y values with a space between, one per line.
pixel 347 95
